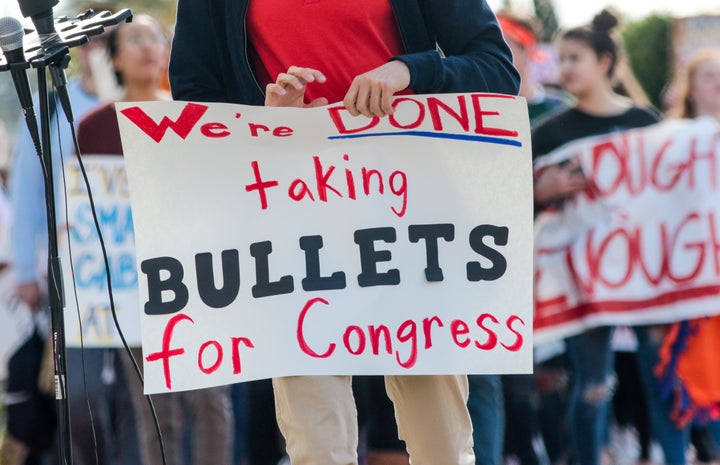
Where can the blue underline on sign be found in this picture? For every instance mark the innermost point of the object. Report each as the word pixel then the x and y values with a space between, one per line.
pixel 437 135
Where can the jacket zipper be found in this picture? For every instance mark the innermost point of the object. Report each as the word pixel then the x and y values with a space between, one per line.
pixel 245 51
pixel 397 23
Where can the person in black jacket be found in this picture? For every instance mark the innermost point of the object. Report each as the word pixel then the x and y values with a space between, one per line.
pixel 360 53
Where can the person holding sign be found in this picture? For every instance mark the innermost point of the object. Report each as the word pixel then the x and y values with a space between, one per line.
pixel 360 53
pixel 588 57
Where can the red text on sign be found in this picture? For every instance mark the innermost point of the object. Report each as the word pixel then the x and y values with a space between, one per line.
pixel 210 356
pixel 411 335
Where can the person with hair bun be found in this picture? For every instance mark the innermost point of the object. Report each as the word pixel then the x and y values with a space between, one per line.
pixel 589 58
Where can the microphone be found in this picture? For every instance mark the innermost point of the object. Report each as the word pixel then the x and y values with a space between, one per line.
pixel 11 42
pixel 41 14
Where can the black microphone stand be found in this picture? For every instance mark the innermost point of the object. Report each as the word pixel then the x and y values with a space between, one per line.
pixel 72 32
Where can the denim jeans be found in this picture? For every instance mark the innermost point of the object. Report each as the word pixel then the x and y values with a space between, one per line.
pixel 592 363
pixel 674 441
pixel 487 412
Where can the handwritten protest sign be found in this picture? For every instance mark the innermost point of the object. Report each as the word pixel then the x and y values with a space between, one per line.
pixel 641 244
pixel 82 259
pixel 285 241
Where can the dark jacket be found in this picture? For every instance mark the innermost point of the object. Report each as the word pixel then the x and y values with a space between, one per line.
pixel 209 60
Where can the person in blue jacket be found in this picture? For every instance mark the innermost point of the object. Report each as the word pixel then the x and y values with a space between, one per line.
pixel 361 53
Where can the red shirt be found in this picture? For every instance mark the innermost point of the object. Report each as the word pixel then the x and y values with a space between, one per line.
pixel 99 133
pixel 340 38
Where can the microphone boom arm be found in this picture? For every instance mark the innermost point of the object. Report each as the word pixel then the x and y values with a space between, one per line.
pixel 72 32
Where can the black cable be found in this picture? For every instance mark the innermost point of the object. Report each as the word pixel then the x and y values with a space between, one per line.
pixel 53 111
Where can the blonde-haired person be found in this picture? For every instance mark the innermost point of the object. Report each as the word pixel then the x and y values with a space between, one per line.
pixel 689 347
pixel 697 89
pixel 139 53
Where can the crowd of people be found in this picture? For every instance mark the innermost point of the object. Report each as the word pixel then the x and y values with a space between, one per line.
pixel 582 388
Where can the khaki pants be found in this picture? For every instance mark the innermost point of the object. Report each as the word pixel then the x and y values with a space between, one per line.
pixel 317 416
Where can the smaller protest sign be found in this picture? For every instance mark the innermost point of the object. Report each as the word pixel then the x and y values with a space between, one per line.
pixel 87 294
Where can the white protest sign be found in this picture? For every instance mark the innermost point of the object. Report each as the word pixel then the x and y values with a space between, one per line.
pixel 82 259
pixel 285 241
pixel 641 244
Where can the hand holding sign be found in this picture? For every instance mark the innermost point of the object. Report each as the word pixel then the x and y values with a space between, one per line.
pixel 371 93
pixel 559 182
pixel 289 88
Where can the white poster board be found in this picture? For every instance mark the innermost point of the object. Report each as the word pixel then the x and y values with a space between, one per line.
pixel 284 241
pixel 640 244
pixel 84 272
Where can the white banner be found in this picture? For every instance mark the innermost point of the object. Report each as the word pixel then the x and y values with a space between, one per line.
pixel 641 244
pixel 87 278
pixel 285 241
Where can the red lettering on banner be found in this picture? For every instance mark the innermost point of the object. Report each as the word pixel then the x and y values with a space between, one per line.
pixel 515 346
pixel 714 242
pixel 675 171
pixel 439 113
pixel 427 329
pixel 701 236
pixel 298 190
pixel 710 157
pixel 337 119
pixel 375 332
pixel 236 341
pixel 618 153
pixel 480 115
pixel 166 353
pixel 492 338
pixel 612 158
pixel 461 116
pixel 360 338
pixel 260 185
pixel 254 128
pixel 327 183
pixel 302 342
pixel 214 130
pixel 460 328
pixel 407 332
pixel 218 357
pixel 419 118
pixel 671 247
pixel 182 126
pixel 404 345
pixel 280 131
pixel 322 177
pixel 407 335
